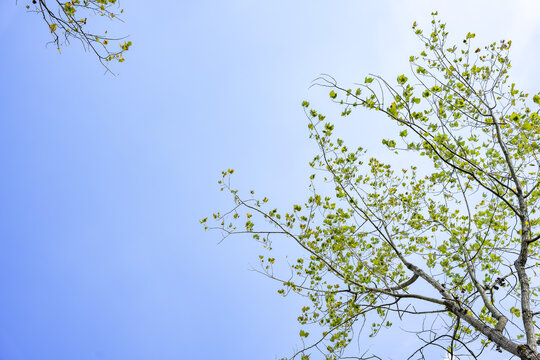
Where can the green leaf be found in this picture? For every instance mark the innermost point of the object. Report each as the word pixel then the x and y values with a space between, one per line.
pixel 402 79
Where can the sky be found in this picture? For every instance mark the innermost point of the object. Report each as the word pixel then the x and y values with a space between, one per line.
pixel 104 178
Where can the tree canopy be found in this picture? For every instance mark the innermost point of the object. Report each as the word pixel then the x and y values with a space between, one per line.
pixel 76 20
pixel 451 241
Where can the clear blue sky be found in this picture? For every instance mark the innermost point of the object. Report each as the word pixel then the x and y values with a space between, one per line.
pixel 103 179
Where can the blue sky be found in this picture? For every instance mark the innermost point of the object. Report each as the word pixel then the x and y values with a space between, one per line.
pixel 104 178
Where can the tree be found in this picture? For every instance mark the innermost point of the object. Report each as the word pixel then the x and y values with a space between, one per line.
pixel 68 21
pixel 453 242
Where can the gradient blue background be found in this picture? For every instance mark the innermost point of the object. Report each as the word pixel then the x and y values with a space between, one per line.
pixel 103 179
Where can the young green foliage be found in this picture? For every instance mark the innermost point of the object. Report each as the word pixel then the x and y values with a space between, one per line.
pixel 455 245
pixel 72 20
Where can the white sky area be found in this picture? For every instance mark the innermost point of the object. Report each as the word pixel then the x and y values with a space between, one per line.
pixel 104 179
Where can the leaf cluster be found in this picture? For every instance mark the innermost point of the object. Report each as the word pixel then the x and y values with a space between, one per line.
pixel 71 20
